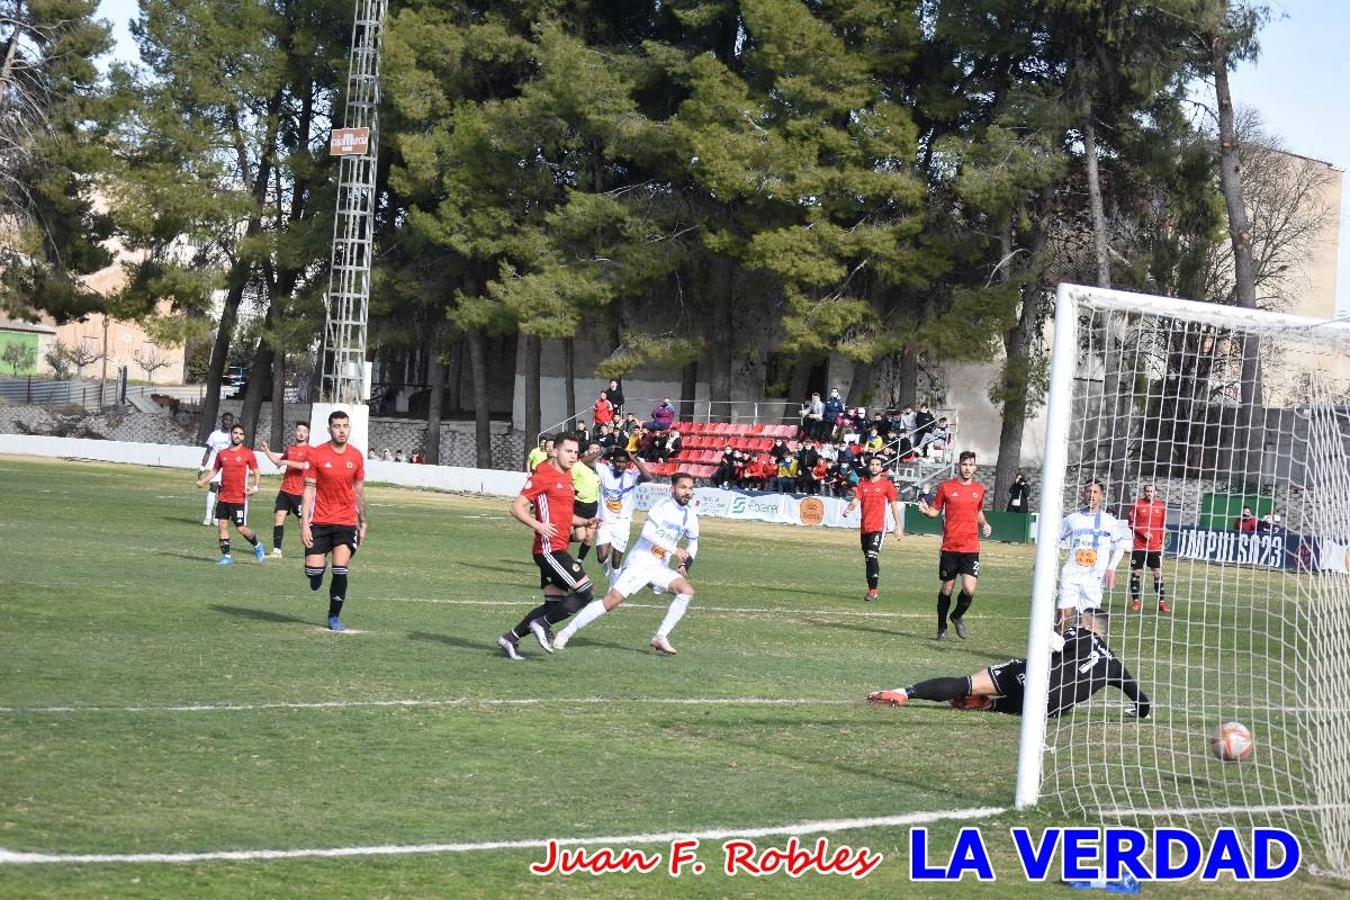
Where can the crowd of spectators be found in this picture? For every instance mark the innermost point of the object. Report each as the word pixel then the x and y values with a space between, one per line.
pixel 828 456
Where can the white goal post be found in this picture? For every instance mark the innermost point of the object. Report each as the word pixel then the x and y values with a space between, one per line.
pixel 1216 408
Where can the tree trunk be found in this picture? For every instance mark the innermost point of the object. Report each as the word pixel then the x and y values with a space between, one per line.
pixel 907 387
pixel 454 376
pixel 688 389
pixel 436 378
pixel 721 343
pixel 482 415
pixel 237 279
pixel 278 438
pixel 1017 346
pixel 569 348
pixel 1246 443
pixel 1094 186
pixel 860 387
pixel 259 386
pixel 533 415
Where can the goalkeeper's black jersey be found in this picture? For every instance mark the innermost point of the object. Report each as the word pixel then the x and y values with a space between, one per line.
pixel 1084 667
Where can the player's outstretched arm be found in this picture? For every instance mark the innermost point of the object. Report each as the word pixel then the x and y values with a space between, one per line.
pixel 644 473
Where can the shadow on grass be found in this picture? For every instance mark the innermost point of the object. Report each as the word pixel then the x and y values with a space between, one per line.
pixel 511 570
pixel 190 557
pixel 451 640
pixel 182 520
pixel 795 752
pixel 261 615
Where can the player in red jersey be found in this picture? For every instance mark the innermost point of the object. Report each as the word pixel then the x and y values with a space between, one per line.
pixel 333 515
pixel 873 493
pixel 566 586
pixel 290 498
pixel 962 499
pixel 234 463
pixel 1148 521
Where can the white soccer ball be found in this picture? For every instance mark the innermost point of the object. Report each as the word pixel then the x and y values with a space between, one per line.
pixel 1232 742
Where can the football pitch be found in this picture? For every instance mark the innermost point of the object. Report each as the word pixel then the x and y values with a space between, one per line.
pixel 154 703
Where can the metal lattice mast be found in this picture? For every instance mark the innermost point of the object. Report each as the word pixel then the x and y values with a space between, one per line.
pixel 357 145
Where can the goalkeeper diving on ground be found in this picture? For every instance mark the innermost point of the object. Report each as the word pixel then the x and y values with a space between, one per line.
pixel 1080 666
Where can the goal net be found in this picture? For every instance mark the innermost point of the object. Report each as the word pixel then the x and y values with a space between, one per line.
pixel 1241 422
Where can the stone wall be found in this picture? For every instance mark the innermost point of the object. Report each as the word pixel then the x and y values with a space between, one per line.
pixel 407 435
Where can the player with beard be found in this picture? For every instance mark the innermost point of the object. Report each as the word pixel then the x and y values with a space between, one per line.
pixel 873 493
pixel 549 490
pixel 962 499
pixel 234 463
pixel 333 517
pixel 668 523
pixel 291 496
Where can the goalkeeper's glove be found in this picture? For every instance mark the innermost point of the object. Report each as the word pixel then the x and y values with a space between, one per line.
pixel 1138 711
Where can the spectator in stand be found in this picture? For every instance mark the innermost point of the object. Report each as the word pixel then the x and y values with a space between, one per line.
pixel 418 459
pixel 786 481
pixel 925 493
pixel 672 445
pixel 845 480
pixel 813 416
pixel 843 455
pixel 605 437
pixel 883 426
pixel 907 422
pixel 1246 521
pixel 807 457
pixel 834 409
pixel 603 411
pixel 874 441
pixel 386 455
pixel 398 456
pixel 635 440
pixel 725 476
pixel 937 438
pixel 615 393
pixel 662 416
pixel 1019 495
pixel 923 424
pixel 828 450
pixel 583 433
pixel 778 451
pixel 904 449
pixel 372 454
pixel 820 477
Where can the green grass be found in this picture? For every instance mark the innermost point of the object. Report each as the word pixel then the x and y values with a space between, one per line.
pixel 110 598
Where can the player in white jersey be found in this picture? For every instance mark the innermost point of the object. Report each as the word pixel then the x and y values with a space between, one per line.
pixel 216 441
pixel 620 474
pixel 669 522
pixel 1096 540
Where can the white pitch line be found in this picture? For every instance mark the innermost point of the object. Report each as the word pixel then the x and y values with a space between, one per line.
pixel 785 611
pixel 455 702
pixel 11 857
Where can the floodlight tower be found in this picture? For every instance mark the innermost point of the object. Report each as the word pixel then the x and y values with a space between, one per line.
pixel 345 378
